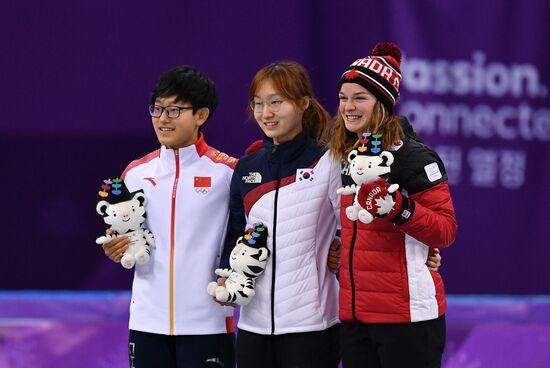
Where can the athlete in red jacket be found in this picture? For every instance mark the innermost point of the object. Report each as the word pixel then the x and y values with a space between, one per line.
pixel 391 305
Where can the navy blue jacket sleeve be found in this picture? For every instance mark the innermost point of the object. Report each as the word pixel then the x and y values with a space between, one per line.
pixel 237 218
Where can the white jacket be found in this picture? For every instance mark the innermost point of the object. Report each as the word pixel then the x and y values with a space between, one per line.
pixel 187 211
pixel 290 188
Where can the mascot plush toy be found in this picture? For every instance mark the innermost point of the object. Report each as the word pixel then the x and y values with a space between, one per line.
pixel 124 212
pixel 248 260
pixel 368 164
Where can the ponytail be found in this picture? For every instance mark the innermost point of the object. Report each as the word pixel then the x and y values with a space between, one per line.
pixel 317 121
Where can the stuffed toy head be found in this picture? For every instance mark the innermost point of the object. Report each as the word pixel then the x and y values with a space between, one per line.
pixel 248 260
pixel 367 164
pixel 124 212
pixel 249 256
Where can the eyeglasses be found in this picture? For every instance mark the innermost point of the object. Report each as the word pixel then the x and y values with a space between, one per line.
pixel 171 111
pixel 273 104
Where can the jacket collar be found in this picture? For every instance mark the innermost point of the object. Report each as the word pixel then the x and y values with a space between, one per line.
pixel 186 154
pixel 286 151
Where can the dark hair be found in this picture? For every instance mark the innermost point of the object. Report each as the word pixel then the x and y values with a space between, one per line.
pixel 188 85
pixel 292 81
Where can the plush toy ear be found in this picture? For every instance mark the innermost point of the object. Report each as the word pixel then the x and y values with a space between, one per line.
pixel 264 253
pixel 141 198
pixel 352 155
pixel 261 256
pixel 102 207
pixel 387 158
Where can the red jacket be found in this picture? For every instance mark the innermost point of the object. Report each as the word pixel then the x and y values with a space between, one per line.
pixel 383 276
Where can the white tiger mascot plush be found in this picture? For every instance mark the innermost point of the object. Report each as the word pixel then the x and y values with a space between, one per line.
pixel 125 213
pixel 247 260
pixel 367 164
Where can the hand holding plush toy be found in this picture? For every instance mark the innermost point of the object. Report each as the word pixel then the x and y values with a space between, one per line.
pixel 384 200
pixel 248 260
pixel 125 213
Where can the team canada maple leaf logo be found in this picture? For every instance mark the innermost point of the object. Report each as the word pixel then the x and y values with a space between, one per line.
pixel 350 74
pixel 384 204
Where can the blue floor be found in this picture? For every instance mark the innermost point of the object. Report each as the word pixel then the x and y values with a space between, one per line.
pixel 86 329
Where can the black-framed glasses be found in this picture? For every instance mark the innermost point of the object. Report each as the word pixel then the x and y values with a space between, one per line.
pixel 171 111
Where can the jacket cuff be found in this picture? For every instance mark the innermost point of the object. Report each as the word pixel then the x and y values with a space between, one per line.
pixel 405 212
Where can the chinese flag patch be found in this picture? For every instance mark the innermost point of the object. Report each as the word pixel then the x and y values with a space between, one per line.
pixel 203 182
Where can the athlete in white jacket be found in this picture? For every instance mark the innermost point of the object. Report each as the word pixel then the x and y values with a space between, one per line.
pixel 173 322
pixel 290 186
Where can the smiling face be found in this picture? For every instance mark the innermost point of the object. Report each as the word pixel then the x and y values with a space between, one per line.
pixel 281 125
pixel 367 169
pixel 356 106
pixel 182 131
pixel 125 216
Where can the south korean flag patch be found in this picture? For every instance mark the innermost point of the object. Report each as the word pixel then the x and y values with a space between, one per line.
pixel 305 175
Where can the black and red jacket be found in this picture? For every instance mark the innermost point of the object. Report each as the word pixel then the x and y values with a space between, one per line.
pixel 383 277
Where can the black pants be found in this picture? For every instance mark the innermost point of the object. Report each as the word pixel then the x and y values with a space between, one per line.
pixel 411 345
pixel 319 349
pixel 148 350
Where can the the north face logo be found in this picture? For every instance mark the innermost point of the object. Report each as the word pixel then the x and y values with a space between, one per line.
pixel 252 178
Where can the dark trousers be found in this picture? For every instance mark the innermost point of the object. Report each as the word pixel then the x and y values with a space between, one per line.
pixel 148 350
pixel 411 345
pixel 318 349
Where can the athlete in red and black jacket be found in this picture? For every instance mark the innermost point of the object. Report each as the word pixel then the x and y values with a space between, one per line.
pixel 392 305
pixel 384 278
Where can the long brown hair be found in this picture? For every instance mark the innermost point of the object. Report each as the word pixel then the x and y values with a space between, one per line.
pixel 292 81
pixel 381 121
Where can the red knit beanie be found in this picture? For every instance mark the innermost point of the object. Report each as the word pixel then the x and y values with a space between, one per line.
pixel 379 73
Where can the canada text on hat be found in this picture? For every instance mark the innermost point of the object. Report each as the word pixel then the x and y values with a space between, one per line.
pixel 380 73
pixel 379 65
